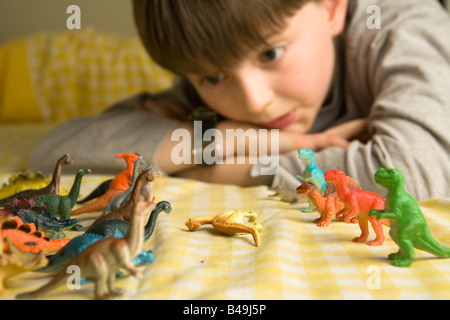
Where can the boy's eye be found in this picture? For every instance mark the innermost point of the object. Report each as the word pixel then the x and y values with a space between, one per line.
pixel 272 54
pixel 214 79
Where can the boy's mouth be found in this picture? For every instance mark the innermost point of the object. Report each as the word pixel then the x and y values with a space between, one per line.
pixel 282 121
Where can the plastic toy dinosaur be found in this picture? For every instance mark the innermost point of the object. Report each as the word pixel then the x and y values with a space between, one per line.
pixel 311 174
pixel 108 228
pixel 103 259
pixel 21 181
pixel 60 206
pixel 27 238
pixel 329 204
pixel 230 222
pixel 126 212
pixel 119 184
pixel 358 203
pixel 118 200
pixel 52 188
pixel 14 261
pixel 28 212
pixel 409 228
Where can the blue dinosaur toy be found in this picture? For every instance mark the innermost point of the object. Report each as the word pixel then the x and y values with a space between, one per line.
pixel 311 174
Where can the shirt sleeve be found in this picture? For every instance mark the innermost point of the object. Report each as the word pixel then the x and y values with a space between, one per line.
pixel 399 75
pixel 125 127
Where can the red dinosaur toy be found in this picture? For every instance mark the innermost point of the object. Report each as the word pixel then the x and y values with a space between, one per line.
pixel 358 203
pixel 327 205
pixel 119 184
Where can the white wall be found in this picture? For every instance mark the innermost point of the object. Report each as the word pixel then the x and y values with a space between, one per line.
pixel 23 17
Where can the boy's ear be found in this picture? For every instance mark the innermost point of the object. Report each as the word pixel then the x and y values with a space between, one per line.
pixel 336 11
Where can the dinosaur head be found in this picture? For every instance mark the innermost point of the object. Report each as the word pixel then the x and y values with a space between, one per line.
pixel 306 154
pixel 149 174
pixel 387 177
pixel 142 208
pixel 65 160
pixel 192 224
pixel 83 172
pixel 165 206
pixel 305 188
pixel 129 158
pixel 334 176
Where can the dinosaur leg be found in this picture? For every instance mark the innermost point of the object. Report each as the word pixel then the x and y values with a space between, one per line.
pixel 340 214
pixel 405 256
pixel 325 218
pixel 364 226
pixel 113 291
pixel 378 228
pixel 353 213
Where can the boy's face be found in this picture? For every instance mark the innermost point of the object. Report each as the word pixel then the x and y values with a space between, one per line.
pixel 281 86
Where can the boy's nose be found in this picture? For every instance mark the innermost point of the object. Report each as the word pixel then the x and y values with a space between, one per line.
pixel 256 89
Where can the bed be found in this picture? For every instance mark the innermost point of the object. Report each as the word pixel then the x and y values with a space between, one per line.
pixel 296 259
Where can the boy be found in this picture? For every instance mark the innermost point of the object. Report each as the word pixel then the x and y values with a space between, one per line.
pixel 363 90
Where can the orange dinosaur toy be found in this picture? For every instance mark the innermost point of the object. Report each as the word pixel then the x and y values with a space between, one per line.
pixel 358 203
pixel 329 204
pixel 27 238
pixel 14 261
pixel 119 184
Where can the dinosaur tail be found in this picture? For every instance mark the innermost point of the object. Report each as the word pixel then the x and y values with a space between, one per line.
pixel 57 280
pixel 98 205
pixel 97 192
pixel 430 245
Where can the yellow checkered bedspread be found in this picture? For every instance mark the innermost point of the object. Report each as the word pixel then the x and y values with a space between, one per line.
pixel 296 259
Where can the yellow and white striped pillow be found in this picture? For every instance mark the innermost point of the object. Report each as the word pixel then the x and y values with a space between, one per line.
pixel 52 76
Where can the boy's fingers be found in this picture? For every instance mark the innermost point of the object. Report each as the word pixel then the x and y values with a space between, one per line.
pixel 290 141
pixel 351 130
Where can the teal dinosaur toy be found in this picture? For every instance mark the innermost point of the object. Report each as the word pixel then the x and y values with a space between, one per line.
pixel 312 174
pixel 409 228
pixel 60 206
pixel 109 227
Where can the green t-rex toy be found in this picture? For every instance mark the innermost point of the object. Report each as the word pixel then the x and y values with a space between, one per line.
pixel 409 228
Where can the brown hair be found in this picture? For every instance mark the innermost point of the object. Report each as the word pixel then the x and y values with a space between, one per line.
pixel 186 36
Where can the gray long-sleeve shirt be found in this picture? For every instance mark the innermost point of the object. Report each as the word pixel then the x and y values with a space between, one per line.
pixel 398 76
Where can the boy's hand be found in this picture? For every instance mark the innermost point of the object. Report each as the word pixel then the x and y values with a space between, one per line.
pixel 289 140
pixel 353 130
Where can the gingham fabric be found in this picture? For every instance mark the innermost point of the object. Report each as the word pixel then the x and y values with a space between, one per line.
pixel 296 259
pixel 61 75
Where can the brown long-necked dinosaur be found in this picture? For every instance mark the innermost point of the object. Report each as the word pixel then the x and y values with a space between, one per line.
pixel 126 212
pixel 51 188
